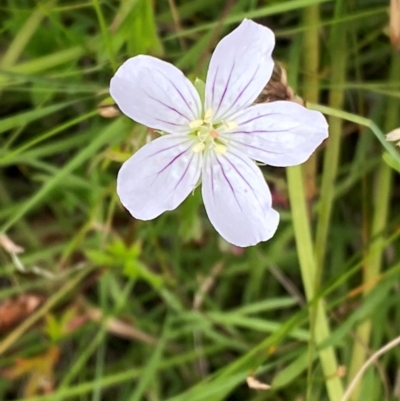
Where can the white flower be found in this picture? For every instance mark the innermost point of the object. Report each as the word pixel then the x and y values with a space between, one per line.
pixel 217 141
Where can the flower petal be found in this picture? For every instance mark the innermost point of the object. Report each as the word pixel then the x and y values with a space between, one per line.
pixel 159 176
pixel 279 133
pixel 156 94
pixel 237 198
pixel 239 69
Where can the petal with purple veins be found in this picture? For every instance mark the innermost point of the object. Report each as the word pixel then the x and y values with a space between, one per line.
pixel 156 94
pixel 237 198
pixel 240 67
pixel 279 133
pixel 159 176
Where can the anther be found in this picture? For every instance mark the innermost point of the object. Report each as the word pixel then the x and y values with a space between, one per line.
pixel 220 149
pixel 199 147
pixel 208 116
pixel 196 124
pixel 230 125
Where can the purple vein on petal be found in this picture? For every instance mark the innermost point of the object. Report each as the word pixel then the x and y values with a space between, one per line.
pixel 237 171
pixel 212 183
pixel 212 177
pixel 259 131
pixel 244 89
pixel 181 95
pixel 196 102
pixel 165 105
pixel 229 183
pixel 162 150
pixel 243 178
pixel 170 163
pixel 168 122
pixel 235 142
pixel 226 87
pixel 184 173
pixel 171 108
pixel 208 168
pixel 213 87
pixel 257 117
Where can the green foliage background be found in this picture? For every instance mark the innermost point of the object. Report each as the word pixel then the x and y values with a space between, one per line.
pixel 165 310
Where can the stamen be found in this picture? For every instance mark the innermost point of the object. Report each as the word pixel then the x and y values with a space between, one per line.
pixel 196 124
pixel 220 149
pixel 230 125
pixel 208 115
pixel 210 136
pixel 199 147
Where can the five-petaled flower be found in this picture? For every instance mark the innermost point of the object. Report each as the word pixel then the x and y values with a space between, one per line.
pixel 217 142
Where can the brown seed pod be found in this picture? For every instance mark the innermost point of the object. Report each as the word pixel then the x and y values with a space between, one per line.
pixel 278 89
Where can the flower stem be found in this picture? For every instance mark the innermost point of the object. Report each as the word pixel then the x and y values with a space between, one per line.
pixel 366 122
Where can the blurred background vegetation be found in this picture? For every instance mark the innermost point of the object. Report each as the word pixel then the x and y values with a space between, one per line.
pixel 97 306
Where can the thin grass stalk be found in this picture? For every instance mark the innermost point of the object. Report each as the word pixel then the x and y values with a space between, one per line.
pixel 22 226
pixel 309 274
pixel 320 330
pixel 372 269
pixel 311 54
pixel 310 64
pixel 365 122
pixel 105 33
pixel 331 159
pixel 21 39
pixel 103 138
pixel 373 358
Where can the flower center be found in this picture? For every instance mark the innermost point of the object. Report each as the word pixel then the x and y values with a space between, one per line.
pixel 209 134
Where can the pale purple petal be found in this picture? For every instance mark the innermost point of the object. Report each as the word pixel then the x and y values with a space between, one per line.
pixel 237 199
pixel 239 69
pixel 159 176
pixel 278 133
pixel 156 94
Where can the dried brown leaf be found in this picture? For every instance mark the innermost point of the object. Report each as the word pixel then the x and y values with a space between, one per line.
pixel 253 383
pixel 15 310
pixel 10 246
pixel 37 370
pixel 119 327
pixel 109 111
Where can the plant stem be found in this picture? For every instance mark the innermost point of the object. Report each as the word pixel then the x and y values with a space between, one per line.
pixel 309 274
pixel 331 158
pixel 311 19
pixel 105 33
pixel 382 192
